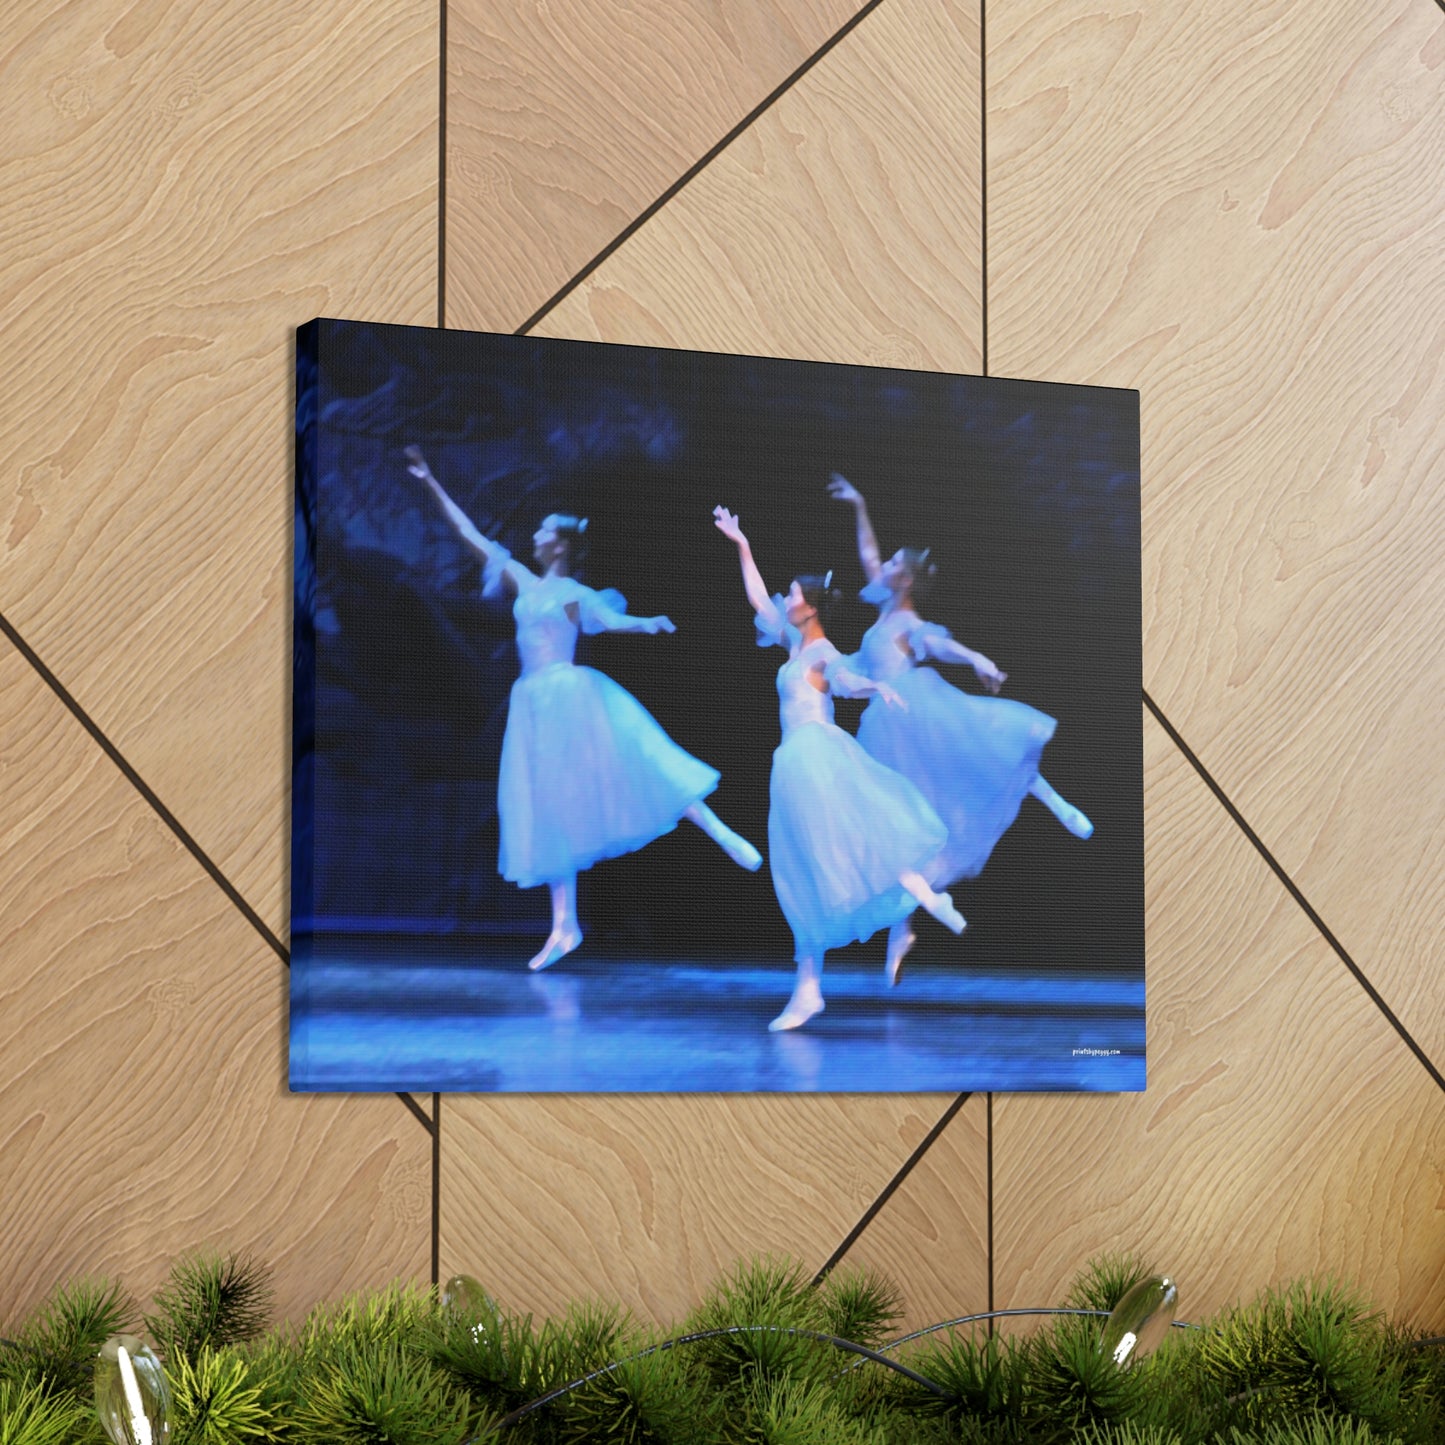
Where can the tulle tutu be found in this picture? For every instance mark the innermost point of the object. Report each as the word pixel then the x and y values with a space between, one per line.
pixel 841 829
pixel 972 757
pixel 586 773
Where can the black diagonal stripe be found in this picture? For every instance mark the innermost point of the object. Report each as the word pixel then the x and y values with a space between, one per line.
pixel 161 811
pixel 1293 889
pixel 851 1238
pixel 698 166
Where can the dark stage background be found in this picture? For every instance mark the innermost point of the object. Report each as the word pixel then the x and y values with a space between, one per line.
pixel 1027 493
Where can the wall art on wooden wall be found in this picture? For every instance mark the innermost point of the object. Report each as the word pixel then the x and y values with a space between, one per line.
pixel 661 717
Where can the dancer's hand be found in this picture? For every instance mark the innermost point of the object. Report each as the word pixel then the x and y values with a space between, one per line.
pixel 418 467
pixel 654 625
pixel 891 696
pixel 842 490
pixel 990 676
pixel 727 523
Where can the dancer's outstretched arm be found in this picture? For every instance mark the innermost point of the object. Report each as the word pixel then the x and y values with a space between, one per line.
pixel 945 649
pixel 753 584
pixel 490 551
pixel 614 621
pixel 844 681
pixel 841 488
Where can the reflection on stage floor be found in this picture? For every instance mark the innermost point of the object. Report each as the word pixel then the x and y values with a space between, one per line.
pixel 410 1017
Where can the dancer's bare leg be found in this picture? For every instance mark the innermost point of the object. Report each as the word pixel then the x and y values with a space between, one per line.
pixel 940 905
pixel 733 844
pixel 900 939
pixel 566 932
pixel 1064 811
pixel 807 999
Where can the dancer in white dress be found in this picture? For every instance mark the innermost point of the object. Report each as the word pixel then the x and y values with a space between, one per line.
pixel 848 839
pixel 974 758
pixel 586 771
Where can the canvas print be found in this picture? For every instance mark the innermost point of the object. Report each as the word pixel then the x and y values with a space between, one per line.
pixel 676 721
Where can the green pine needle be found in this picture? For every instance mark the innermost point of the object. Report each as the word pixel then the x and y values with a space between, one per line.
pixel 32 1415
pixel 211 1300
pixel 1105 1280
pixel 215 1400
pixel 381 1394
pixel 860 1305
pixel 58 1344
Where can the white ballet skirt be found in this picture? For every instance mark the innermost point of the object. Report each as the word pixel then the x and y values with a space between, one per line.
pixel 841 827
pixel 587 772
pixel 972 757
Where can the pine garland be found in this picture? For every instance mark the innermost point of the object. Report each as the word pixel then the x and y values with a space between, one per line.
pixel 766 1359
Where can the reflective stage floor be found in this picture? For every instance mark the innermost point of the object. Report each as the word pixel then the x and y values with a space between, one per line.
pixel 399 1017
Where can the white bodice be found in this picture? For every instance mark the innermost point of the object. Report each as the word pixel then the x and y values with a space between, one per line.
pixel 895 642
pixel 546 633
pixel 801 701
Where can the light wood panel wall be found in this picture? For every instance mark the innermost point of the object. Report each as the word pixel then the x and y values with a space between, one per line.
pixel 1232 207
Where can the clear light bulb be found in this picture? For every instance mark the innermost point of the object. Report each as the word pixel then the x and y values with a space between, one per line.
pixel 469 1307
pixel 1140 1320
pixel 131 1393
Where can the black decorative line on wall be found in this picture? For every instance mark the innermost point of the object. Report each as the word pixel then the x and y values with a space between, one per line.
pixel 641 220
pixel 442 168
pixel 436 1188
pixel 161 811
pixel 989 1185
pixel 416 1109
pixel 851 1238
pixel 1292 888
pixel 983 242
pixel 146 791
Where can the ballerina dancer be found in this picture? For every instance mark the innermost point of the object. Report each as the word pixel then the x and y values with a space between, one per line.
pixel 848 839
pixel 974 758
pixel 586 771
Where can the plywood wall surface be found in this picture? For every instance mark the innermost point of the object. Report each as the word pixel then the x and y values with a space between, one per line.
pixel 184 184
pixel 1286 1130
pixel 1234 208
pixel 143 1109
pixel 566 120
pixel 843 225
pixel 1237 210
pixel 648 1200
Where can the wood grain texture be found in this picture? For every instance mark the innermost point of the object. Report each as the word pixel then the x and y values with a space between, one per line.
pixel 931 1236
pixel 1286 1130
pixel 566 120
pixel 143 1104
pixel 843 225
pixel 1237 210
pixel 647 1199
pixel 184 183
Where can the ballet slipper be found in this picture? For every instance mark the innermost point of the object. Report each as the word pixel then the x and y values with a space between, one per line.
pixel 806 1003
pixel 558 945
pixel 898 947
pixel 742 852
pixel 1076 822
pixel 943 910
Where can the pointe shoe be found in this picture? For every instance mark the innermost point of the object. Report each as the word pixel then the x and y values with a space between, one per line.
pixel 944 911
pixel 743 853
pixel 805 1003
pixel 558 945
pixel 1076 822
pixel 896 954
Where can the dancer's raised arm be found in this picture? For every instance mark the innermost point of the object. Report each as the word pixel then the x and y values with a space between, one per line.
pixel 753 584
pixel 492 553
pixel 840 488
